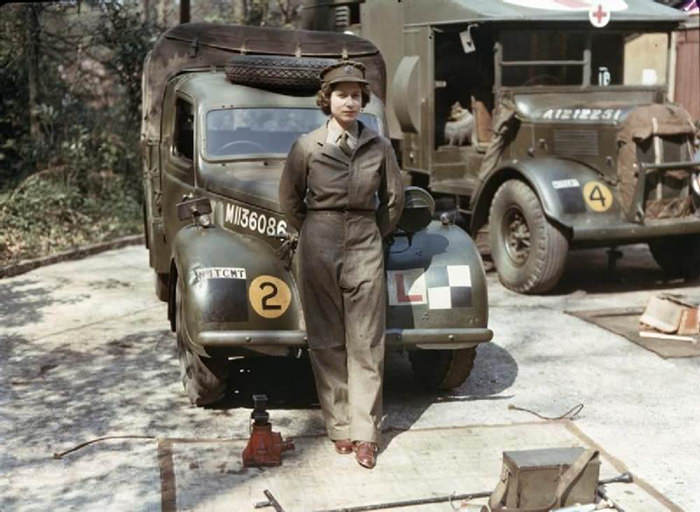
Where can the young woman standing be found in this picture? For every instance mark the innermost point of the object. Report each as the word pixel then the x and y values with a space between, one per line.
pixel 341 189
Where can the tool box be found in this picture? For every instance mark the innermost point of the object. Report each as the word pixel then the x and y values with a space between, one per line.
pixel 534 480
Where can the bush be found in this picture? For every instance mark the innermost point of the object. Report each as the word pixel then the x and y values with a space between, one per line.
pixel 48 214
pixel 75 177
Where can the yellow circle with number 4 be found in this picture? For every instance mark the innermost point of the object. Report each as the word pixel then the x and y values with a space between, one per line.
pixel 269 296
pixel 598 196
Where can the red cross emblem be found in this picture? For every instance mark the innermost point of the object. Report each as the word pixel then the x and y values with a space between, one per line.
pixel 598 15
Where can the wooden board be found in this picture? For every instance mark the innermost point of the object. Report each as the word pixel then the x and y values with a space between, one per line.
pixel 625 322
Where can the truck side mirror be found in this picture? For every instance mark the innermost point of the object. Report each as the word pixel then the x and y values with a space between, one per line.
pixel 418 210
pixel 193 208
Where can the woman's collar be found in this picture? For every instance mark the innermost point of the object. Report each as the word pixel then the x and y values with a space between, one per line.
pixel 335 128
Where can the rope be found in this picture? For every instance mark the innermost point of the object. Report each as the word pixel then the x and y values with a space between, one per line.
pixel 570 414
pixel 93 441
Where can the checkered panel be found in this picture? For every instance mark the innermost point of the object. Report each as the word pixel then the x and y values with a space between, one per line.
pixel 449 287
pixel 443 287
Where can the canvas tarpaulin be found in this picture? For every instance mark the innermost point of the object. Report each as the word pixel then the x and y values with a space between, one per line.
pixel 670 123
pixel 193 46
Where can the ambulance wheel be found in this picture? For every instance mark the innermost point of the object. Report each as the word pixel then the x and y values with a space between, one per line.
pixel 204 378
pixel 678 256
pixel 442 369
pixel 529 252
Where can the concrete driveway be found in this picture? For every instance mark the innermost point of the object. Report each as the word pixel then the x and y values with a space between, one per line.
pixel 86 352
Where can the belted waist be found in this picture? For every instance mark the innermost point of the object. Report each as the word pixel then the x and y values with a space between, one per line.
pixel 342 210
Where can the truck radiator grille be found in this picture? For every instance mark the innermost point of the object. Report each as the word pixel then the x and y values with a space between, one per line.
pixel 575 142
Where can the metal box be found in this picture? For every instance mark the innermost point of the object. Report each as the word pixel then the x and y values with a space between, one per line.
pixel 533 476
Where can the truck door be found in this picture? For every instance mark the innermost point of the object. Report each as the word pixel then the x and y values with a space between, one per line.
pixel 178 152
pixel 462 106
pixel 413 98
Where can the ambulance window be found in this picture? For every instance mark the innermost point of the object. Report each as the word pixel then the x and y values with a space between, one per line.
pixel 183 138
pixel 542 45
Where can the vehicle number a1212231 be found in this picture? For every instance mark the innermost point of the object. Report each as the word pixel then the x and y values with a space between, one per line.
pixel 253 220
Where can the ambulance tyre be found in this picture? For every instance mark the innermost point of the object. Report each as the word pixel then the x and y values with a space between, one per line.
pixel 678 256
pixel 203 378
pixel 442 369
pixel 529 252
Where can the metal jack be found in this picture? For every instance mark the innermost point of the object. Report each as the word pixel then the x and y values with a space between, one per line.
pixel 264 447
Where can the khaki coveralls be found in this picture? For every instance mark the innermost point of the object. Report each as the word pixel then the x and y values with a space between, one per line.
pixel 342 206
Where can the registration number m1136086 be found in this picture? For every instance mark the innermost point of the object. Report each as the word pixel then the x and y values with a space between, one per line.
pixel 251 219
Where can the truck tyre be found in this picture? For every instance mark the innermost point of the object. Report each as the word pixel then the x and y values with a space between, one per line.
pixel 678 256
pixel 162 285
pixel 529 252
pixel 276 72
pixel 204 379
pixel 442 369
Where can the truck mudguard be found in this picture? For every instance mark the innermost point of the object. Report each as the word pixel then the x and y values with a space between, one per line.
pixel 569 191
pixel 436 282
pixel 232 283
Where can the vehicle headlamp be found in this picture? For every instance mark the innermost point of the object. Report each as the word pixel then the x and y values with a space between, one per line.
pixel 203 220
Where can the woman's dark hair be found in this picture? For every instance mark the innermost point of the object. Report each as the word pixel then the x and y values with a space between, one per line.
pixel 323 96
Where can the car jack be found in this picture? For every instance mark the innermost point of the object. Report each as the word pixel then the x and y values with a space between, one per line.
pixel 264 447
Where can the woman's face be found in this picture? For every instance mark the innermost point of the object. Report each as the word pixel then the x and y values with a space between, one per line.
pixel 346 100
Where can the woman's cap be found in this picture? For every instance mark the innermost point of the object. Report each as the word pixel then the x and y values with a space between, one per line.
pixel 345 71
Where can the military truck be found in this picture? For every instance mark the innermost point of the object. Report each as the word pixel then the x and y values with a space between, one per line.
pixel 545 124
pixel 222 105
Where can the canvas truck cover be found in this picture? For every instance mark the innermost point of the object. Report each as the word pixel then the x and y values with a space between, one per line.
pixel 437 12
pixel 198 46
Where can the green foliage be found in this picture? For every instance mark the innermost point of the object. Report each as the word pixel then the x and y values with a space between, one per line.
pixel 70 115
pixel 76 178
pixel 47 214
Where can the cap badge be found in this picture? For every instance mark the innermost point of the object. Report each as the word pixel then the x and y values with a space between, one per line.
pixel 348 70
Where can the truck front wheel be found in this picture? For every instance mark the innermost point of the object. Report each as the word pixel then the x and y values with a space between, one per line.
pixel 678 256
pixel 162 283
pixel 442 369
pixel 529 252
pixel 204 379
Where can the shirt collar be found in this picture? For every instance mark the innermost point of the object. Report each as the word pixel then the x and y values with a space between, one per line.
pixel 335 130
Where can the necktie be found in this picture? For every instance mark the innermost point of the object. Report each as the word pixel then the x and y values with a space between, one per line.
pixel 343 143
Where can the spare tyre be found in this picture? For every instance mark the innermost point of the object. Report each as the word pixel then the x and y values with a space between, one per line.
pixel 290 75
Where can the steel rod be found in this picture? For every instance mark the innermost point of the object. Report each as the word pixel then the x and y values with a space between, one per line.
pixel 670 166
pixel 271 502
pixel 408 503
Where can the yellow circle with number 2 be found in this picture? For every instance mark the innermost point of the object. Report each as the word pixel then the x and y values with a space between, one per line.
pixel 598 196
pixel 269 296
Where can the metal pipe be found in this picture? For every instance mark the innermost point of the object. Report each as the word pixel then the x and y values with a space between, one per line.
pixel 670 166
pixel 271 502
pixel 408 503
pixel 543 62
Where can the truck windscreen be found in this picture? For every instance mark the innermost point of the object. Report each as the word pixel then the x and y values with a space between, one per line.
pixel 249 131
pixel 551 58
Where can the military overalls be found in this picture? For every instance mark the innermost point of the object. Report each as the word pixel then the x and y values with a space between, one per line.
pixel 343 205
